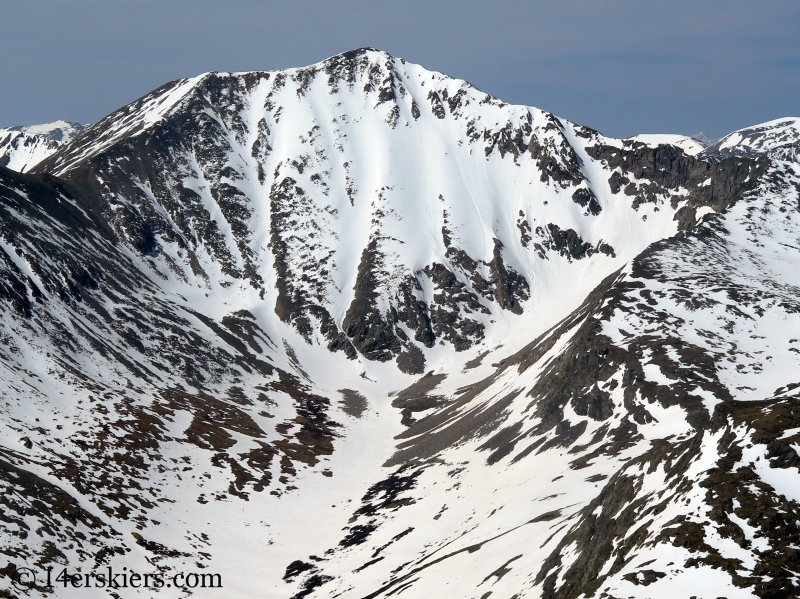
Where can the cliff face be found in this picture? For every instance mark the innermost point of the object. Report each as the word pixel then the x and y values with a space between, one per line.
pixel 382 332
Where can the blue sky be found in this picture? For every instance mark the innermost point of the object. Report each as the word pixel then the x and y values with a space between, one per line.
pixel 620 66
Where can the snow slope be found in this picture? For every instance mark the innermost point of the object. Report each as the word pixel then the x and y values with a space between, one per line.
pixel 640 449
pixel 359 329
pixel 383 210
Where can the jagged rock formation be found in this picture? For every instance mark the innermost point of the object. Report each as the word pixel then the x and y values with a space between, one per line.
pixel 359 329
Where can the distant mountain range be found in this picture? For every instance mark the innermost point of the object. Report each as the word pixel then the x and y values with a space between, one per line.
pixel 359 329
pixel 21 148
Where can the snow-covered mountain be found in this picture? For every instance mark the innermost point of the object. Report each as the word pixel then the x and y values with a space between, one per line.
pixel 359 329
pixel 21 148
pixel 779 138
pixel 382 209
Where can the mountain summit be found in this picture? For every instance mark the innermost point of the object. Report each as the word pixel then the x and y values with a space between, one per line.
pixel 360 329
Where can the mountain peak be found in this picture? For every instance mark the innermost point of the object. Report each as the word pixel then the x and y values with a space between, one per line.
pixel 359 329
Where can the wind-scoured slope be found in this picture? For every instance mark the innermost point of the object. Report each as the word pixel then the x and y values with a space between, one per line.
pixel 217 315
pixel 21 148
pixel 645 447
